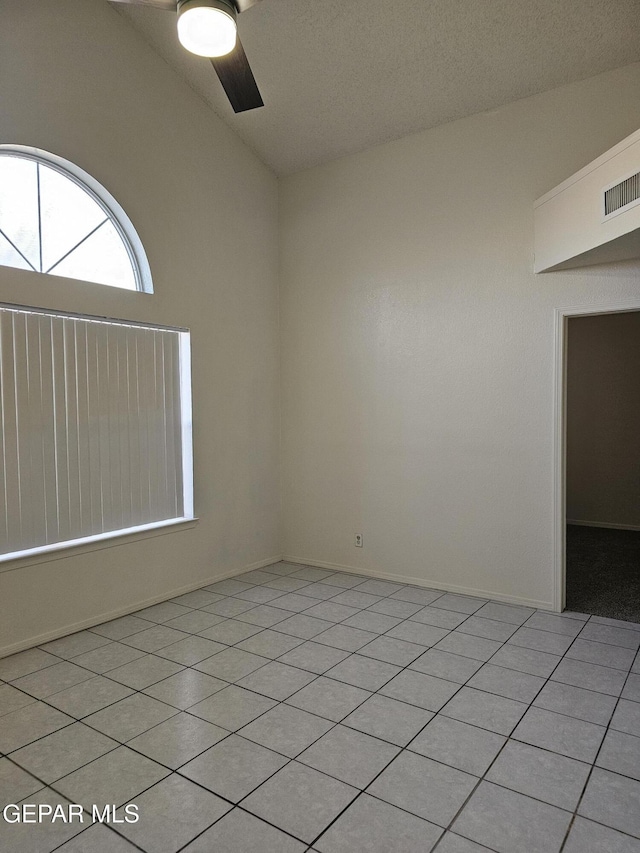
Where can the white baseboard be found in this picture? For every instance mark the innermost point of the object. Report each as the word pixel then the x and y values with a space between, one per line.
pixel 426 583
pixel 607 524
pixel 130 608
pixel 337 567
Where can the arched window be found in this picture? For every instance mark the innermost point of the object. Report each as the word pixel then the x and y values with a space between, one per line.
pixel 56 219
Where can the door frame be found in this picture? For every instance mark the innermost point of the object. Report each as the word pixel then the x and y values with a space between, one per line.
pixel 561 320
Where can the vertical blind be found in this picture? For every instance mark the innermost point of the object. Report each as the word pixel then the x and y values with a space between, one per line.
pixel 95 428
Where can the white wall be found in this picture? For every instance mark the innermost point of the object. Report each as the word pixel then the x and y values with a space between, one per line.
pixel 416 342
pixel 78 81
pixel 603 420
pixel 418 345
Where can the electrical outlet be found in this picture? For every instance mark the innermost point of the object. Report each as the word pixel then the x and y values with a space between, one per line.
pixel 358 540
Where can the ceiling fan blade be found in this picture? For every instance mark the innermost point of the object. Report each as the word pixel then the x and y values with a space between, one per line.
pixel 237 80
pixel 169 5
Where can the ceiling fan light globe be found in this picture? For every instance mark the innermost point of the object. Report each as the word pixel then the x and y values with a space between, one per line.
pixel 206 28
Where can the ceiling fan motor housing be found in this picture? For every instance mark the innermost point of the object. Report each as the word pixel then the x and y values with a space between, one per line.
pixel 227 6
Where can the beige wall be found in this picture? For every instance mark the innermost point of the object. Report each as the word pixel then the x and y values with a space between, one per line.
pixel 77 81
pixel 418 345
pixel 603 420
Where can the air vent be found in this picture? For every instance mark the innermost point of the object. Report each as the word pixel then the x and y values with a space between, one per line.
pixel 622 194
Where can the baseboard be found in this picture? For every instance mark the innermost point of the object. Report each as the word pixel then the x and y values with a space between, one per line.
pixel 607 524
pixel 422 582
pixel 125 611
pixel 338 567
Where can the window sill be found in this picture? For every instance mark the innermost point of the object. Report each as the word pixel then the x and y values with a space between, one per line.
pixel 60 550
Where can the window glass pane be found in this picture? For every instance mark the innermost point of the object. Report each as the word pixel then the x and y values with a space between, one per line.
pixel 19 206
pixel 56 219
pixel 68 214
pixel 101 258
pixel 9 257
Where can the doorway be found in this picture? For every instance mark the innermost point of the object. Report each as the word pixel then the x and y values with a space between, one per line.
pixel 601 500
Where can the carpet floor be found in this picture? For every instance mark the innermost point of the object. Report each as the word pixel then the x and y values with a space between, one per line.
pixel 603 572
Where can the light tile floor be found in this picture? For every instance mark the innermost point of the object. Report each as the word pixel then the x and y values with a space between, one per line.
pixel 294 708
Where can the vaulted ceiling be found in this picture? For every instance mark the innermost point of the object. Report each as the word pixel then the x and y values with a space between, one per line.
pixel 339 76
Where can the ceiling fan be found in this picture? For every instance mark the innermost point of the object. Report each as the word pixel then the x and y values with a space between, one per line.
pixel 208 28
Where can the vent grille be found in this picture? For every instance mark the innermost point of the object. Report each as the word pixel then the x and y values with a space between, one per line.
pixel 622 194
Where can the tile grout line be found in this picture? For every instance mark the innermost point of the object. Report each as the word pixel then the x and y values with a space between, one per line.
pixel 593 765
pixel 335 724
pixel 404 748
pixel 303 640
pixel 290 760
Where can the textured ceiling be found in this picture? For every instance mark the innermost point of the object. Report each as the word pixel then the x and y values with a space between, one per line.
pixel 338 76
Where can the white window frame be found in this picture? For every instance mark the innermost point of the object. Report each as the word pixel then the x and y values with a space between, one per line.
pixel 112 210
